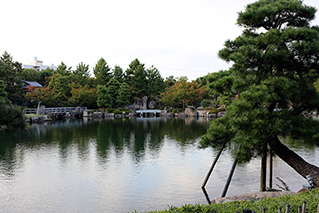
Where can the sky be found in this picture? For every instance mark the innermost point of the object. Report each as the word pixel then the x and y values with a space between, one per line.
pixel 178 37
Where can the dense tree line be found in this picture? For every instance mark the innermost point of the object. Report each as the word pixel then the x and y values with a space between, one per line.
pixel 108 88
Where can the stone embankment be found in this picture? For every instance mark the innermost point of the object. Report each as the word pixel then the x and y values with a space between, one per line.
pixel 252 196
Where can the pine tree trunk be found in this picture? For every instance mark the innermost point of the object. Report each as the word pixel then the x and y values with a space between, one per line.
pixel 295 161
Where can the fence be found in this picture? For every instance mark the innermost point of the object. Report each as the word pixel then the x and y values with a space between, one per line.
pixel 301 209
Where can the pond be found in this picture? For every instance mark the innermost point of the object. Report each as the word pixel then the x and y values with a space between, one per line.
pixel 122 165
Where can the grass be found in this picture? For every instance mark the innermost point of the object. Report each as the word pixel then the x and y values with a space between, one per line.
pixel 32 115
pixel 271 204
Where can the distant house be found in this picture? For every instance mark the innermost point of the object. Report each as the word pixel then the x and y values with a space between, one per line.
pixel 28 84
pixel 37 65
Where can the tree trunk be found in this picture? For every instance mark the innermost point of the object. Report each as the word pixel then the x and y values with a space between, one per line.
pixel 263 168
pixel 295 161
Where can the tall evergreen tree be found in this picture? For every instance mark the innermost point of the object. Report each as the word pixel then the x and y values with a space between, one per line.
pixel 155 82
pixel 102 72
pixel 275 63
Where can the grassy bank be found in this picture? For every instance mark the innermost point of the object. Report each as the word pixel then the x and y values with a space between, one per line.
pixel 271 204
pixel 32 115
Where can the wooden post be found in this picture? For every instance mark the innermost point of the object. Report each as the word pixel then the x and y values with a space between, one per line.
pixel 264 210
pixel 263 168
pixel 270 168
pixel 299 209
pixel 230 176
pixel 318 203
pixel 213 164
pixel 287 208
pixel 304 207
pixel 279 210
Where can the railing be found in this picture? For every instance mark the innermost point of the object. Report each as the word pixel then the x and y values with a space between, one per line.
pixel 56 110
pixel 301 209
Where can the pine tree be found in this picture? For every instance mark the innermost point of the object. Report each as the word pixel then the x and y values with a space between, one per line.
pixel 275 63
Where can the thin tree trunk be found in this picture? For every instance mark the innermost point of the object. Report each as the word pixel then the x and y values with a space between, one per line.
pixel 295 161
pixel 263 168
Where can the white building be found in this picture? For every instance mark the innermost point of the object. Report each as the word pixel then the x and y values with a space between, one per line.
pixel 38 65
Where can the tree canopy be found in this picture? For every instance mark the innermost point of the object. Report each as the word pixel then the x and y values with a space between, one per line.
pixel 275 64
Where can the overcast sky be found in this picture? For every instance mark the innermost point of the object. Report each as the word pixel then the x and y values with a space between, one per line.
pixel 179 37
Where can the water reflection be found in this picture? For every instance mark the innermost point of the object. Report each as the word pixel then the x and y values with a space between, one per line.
pixel 118 165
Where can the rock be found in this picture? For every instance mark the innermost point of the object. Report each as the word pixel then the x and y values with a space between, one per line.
pixel 37 119
pixel 98 114
pixel 151 104
pixel 181 115
pixel 164 113
pixel 203 113
pixel 252 196
pixel 145 100
pixel 87 113
pixel 109 115
pixel 189 112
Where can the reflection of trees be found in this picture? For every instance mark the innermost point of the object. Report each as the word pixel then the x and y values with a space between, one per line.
pixel 136 136
pixel 184 130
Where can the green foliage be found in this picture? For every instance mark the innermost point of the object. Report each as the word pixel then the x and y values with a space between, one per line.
pixel 271 205
pixel 275 63
pixel 9 72
pixel 124 95
pixel 118 73
pixel 113 87
pixel 11 117
pixel 102 72
pixel 3 93
pixel 63 70
pixel 155 82
pixel 83 96
pixel 104 99
pixel 220 86
pixel 81 74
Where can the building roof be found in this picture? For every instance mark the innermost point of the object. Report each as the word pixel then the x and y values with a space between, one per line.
pixel 31 83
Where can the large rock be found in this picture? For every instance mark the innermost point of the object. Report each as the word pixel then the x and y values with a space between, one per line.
pixel 98 114
pixel 87 113
pixel 189 112
pixel 145 101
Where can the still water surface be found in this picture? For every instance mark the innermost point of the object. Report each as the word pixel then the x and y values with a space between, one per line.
pixel 121 165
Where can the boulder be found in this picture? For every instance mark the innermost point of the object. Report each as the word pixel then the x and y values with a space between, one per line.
pixel 189 112
pixel 87 113
pixel 98 114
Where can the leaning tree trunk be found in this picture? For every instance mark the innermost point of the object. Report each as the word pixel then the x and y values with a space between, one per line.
pixel 295 161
